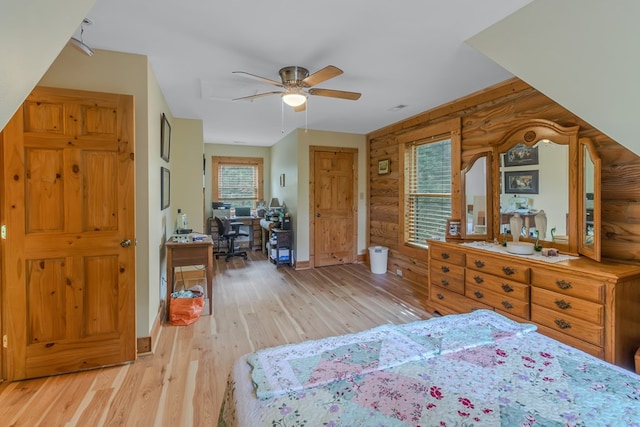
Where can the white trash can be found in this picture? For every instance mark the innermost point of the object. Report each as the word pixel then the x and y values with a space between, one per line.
pixel 378 259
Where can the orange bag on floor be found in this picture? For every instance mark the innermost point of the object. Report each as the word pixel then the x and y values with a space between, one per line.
pixel 185 311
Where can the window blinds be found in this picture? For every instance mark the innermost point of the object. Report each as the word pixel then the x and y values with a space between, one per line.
pixel 237 182
pixel 427 189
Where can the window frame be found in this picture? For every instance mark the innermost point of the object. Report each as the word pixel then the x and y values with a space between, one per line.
pixel 446 129
pixel 219 161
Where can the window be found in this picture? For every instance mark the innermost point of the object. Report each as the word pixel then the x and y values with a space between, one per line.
pixel 237 180
pixel 427 190
pixel 428 181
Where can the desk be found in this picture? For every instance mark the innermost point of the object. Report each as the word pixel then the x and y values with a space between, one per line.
pixel 255 237
pixel 190 253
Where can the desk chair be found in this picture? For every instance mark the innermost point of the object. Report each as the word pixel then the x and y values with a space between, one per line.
pixel 230 231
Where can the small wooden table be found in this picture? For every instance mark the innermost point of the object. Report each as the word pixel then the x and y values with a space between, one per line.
pixel 190 253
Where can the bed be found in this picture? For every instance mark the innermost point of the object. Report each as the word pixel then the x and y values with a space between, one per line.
pixel 478 369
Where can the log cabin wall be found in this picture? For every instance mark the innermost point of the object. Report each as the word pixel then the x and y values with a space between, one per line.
pixel 485 118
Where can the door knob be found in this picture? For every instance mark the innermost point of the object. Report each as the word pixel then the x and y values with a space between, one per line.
pixel 318 215
pixel 125 243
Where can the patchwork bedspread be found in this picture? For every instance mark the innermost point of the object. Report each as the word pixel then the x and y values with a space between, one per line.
pixel 477 369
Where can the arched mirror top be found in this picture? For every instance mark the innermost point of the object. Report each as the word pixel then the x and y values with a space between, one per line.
pixel 531 132
pixel 536 180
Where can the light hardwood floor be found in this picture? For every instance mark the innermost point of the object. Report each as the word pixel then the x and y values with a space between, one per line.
pixel 182 383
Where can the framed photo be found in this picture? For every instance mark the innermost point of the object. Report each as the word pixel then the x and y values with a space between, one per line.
pixel 165 188
pixel 454 228
pixel 165 138
pixel 521 155
pixel 521 182
pixel 383 167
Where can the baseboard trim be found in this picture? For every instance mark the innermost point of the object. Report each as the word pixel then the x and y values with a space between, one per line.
pixel 302 265
pixel 147 345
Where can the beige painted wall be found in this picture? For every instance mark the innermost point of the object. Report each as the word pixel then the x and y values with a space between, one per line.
pixel 32 33
pixel 187 180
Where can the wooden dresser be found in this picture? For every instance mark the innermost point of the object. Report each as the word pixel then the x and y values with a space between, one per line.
pixel 594 306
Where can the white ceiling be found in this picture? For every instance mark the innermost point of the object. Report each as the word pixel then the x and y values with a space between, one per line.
pixel 406 52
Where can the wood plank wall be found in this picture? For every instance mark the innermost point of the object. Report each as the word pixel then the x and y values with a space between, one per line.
pixel 486 116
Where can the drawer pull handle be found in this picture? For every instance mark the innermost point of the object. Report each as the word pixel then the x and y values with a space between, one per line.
pixel 444 282
pixel 444 268
pixel 562 304
pixel 440 296
pixel 478 294
pixel 444 255
pixel 508 271
pixel 507 304
pixel 563 324
pixel 564 285
pixel 507 288
pixel 479 263
pixel 478 279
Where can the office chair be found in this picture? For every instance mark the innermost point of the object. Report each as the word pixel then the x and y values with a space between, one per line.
pixel 230 231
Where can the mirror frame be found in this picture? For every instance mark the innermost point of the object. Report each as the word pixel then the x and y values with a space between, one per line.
pixel 530 133
pixel 591 251
pixel 488 158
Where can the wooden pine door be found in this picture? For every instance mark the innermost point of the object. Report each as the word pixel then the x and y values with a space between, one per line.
pixel 334 205
pixel 68 207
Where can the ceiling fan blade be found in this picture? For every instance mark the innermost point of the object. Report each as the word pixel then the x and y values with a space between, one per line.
pixel 262 79
pixel 326 73
pixel 300 108
pixel 353 96
pixel 259 95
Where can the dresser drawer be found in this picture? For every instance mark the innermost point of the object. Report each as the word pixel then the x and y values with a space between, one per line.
pixel 452 300
pixel 454 282
pixel 507 267
pixel 565 304
pixel 498 285
pixel 446 253
pixel 569 284
pixel 578 328
pixel 511 305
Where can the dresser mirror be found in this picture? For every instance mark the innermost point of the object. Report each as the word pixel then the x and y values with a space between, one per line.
pixel 589 203
pixel 476 196
pixel 536 179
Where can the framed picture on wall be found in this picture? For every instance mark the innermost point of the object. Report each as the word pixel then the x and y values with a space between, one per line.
pixel 521 182
pixel 165 188
pixel 165 138
pixel 521 155
pixel 383 167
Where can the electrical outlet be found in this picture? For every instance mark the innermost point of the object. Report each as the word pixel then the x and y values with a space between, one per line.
pixel 398 272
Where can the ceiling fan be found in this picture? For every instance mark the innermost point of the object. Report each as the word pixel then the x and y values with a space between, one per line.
pixel 298 84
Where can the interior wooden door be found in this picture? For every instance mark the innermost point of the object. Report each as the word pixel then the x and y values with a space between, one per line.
pixel 334 206
pixel 68 205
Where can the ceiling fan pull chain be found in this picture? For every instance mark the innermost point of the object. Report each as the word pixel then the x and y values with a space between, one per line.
pixel 282 107
pixel 306 110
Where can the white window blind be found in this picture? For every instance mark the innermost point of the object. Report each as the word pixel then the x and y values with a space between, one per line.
pixel 427 189
pixel 238 184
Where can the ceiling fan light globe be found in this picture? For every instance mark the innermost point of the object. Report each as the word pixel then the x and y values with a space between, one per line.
pixel 294 99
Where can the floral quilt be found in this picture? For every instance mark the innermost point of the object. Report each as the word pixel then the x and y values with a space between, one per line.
pixel 476 369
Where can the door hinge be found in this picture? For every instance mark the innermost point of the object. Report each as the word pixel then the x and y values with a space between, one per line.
pixel 5 341
pixel 3 232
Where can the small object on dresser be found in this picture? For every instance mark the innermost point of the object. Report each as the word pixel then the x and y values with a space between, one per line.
pixel 549 252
